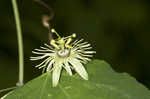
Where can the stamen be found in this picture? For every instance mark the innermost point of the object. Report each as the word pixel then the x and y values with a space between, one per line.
pixel 54 31
pixel 53 43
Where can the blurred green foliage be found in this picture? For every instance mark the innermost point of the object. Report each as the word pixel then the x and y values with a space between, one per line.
pixel 118 30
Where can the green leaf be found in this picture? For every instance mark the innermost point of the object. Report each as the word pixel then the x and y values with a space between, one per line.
pixel 103 83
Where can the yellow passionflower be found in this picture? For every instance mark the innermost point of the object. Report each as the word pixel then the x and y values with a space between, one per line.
pixel 64 54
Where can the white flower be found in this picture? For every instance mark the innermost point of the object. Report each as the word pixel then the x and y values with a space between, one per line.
pixel 64 54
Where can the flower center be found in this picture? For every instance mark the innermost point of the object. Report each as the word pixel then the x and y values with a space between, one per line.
pixel 63 53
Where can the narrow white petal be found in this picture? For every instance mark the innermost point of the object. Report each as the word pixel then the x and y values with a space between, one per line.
pixel 84 62
pixel 87 59
pixel 38 57
pixel 41 50
pixel 45 64
pixel 87 45
pixel 87 48
pixel 50 65
pixel 89 52
pixel 78 42
pixel 85 55
pixel 74 42
pixel 84 43
pixel 42 62
pixel 80 57
pixel 48 46
pixel 56 73
pixel 74 49
pixel 79 49
pixel 83 58
pixel 40 53
pixel 46 50
pixel 68 69
pixel 79 68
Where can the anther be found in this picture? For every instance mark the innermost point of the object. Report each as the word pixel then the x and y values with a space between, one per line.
pixel 73 35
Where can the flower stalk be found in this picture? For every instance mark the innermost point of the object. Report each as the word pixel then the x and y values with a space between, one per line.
pixel 20 43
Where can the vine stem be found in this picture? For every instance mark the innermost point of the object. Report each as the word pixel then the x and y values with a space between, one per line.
pixel 20 43
pixel 7 89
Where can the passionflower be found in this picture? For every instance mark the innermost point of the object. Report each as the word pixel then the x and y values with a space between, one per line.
pixel 63 53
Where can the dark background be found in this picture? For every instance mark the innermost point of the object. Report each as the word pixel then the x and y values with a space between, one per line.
pixel 119 30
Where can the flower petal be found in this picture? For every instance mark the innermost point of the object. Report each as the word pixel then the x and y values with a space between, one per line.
pixel 56 73
pixel 89 52
pixel 48 46
pixel 38 57
pixel 79 68
pixel 67 67
pixel 40 53
pixel 43 62
pixel 77 42
pixel 50 65
pixel 45 50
